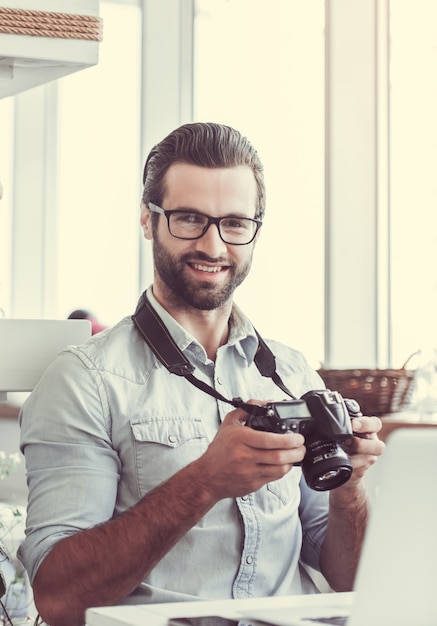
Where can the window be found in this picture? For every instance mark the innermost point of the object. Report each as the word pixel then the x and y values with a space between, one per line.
pixel 259 66
pixel 6 126
pixel 413 179
pixel 99 174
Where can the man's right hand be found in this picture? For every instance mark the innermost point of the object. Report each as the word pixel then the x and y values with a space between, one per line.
pixel 240 460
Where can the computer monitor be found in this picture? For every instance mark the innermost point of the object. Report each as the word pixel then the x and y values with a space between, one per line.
pixel 28 346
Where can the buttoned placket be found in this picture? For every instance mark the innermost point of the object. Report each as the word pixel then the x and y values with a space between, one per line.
pixel 246 574
pixel 245 578
pixel 251 536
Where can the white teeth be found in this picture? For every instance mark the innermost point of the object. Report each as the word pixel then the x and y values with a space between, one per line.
pixel 206 268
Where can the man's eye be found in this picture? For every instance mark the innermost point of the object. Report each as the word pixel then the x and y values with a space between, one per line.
pixel 235 223
pixel 188 218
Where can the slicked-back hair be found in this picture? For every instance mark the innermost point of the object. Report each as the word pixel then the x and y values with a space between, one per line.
pixel 207 145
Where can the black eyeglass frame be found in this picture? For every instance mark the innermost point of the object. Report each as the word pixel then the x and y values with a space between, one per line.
pixel 211 220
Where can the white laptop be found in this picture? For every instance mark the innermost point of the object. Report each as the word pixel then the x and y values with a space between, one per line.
pixel 396 583
pixel 28 346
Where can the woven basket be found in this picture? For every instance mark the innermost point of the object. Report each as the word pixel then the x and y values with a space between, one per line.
pixel 377 391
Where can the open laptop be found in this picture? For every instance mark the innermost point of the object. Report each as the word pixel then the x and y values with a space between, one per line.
pixel 396 583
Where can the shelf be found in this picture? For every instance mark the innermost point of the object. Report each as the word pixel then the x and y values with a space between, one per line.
pixel 27 61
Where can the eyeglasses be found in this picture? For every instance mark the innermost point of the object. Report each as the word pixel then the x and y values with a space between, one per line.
pixel 238 231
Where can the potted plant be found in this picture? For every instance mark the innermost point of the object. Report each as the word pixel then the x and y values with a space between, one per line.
pixel 13 583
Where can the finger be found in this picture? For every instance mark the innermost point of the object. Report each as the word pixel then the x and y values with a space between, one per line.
pixel 239 415
pixel 366 425
pixel 277 457
pixel 371 446
pixel 274 441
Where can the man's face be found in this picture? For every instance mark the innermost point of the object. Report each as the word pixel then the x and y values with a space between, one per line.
pixel 202 273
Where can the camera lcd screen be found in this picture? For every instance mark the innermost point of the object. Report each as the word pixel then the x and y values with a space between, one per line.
pixel 288 410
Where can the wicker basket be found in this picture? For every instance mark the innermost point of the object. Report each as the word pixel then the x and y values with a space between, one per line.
pixel 377 391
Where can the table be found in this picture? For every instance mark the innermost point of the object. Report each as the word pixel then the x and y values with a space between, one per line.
pixel 158 614
pixel 406 419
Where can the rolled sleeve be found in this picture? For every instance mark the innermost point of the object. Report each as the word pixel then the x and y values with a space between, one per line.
pixel 313 512
pixel 72 470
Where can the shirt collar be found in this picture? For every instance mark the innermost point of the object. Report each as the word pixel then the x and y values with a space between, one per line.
pixel 242 334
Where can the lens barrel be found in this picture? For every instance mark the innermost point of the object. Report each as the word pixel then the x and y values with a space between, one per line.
pixel 326 465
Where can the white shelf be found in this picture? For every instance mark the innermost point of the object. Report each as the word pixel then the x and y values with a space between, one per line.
pixel 27 61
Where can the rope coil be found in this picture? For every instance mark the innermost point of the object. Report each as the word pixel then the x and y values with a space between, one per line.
pixel 50 24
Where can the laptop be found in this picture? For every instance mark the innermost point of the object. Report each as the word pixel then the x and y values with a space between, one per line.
pixel 27 347
pixel 396 583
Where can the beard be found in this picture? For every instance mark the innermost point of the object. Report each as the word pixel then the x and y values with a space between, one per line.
pixel 204 296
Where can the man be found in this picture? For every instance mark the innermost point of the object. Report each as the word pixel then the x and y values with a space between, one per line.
pixel 144 488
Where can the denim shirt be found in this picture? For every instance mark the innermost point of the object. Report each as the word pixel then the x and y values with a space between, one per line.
pixel 107 423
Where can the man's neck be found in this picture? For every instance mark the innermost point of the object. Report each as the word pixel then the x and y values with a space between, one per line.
pixel 209 328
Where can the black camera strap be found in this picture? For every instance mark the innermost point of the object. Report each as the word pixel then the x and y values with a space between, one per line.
pixel 156 335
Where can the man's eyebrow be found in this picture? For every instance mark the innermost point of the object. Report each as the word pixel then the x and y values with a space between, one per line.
pixel 192 210
pixel 189 209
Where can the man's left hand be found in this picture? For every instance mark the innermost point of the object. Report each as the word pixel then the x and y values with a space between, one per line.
pixel 365 447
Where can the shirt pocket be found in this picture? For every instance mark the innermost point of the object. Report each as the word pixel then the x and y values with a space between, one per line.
pixel 283 492
pixel 164 446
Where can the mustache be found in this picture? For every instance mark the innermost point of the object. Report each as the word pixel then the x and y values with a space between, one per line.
pixel 201 256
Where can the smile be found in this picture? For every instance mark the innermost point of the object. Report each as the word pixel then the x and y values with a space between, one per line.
pixel 206 268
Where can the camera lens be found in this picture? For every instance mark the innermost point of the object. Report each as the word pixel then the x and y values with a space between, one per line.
pixel 326 465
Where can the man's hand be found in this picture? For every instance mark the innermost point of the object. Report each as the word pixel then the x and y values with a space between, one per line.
pixel 240 460
pixel 365 447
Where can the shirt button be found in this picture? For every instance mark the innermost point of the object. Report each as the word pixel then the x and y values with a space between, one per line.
pixel 245 498
pixel 249 560
pixel 172 438
pixel 219 381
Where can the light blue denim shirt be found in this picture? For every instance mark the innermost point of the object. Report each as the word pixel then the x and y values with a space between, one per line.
pixel 107 423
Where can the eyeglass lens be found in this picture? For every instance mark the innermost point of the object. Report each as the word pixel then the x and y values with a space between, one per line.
pixel 237 230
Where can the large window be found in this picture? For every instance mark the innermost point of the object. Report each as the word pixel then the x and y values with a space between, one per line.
pixel 259 66
pixel 322 285
pixel 413 176
pixel 99 174
pixel 71 171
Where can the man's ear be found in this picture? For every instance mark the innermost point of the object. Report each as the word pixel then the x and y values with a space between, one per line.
pixel 146 221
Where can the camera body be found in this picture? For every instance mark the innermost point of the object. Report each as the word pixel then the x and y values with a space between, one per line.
pixel 323 417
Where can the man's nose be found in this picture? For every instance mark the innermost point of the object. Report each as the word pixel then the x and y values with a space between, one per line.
pixel 210 242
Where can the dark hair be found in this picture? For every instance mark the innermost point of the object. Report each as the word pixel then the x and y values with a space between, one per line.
pixel 206 145
pixel 80 314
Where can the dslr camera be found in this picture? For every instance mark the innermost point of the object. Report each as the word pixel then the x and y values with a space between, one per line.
pixel 324 418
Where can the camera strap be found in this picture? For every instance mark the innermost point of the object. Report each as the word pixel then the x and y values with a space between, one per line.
pixel 156 335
